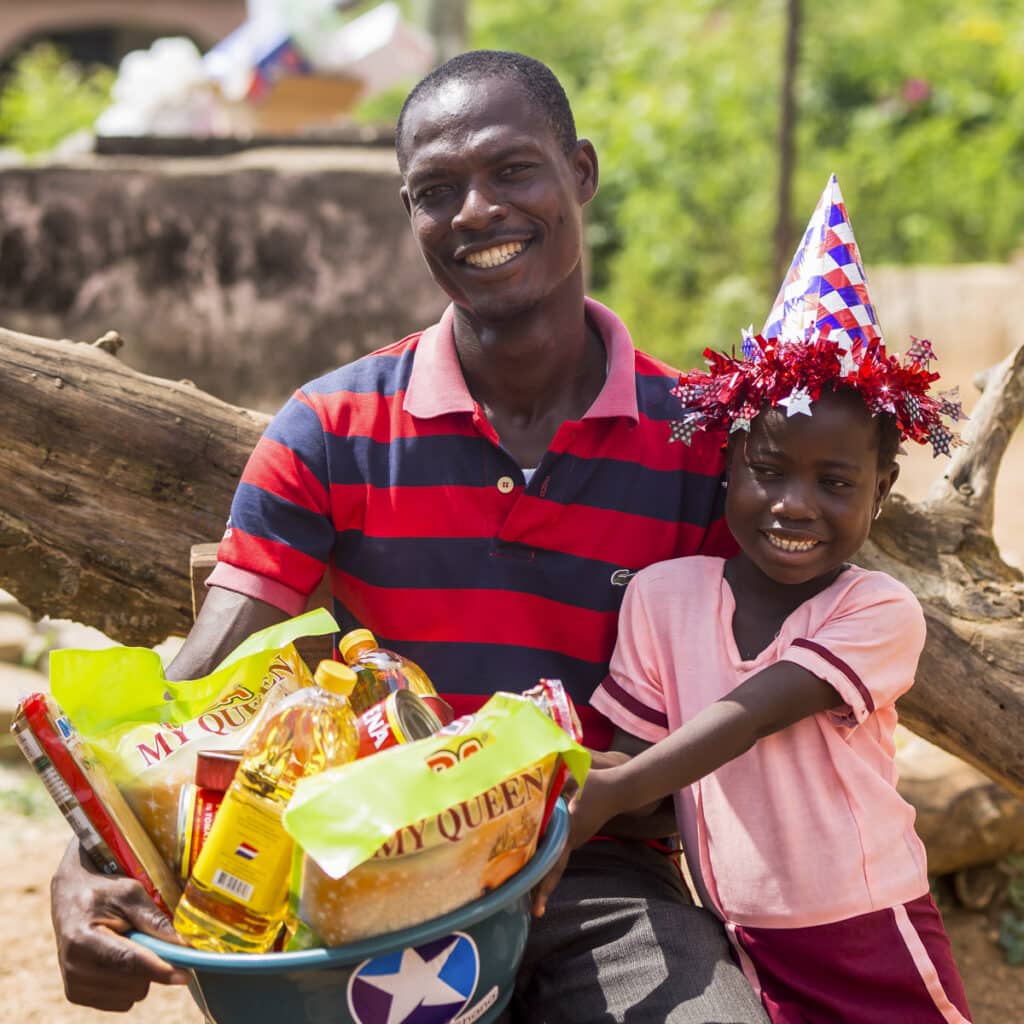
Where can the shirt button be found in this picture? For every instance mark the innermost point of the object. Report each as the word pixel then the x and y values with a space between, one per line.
pixel 506 484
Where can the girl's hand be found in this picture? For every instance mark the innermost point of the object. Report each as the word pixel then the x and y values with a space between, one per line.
pixel 594 805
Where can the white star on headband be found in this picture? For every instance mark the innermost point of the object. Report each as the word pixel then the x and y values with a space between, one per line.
pixel 797 401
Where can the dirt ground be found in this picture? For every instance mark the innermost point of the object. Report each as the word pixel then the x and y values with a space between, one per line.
pixel 32 840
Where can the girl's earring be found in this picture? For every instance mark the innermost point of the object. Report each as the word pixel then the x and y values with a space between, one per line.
pixel 878 512
pixel 725 483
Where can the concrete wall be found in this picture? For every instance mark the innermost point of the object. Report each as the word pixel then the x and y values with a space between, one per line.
pixel 247 274
pixel 971 312
pixel 974 316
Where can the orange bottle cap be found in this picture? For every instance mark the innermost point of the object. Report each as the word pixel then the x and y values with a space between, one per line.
pixel 357 638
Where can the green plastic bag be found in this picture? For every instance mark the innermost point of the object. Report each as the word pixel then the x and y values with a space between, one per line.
pixel 147 730
pixel 420 829
pixel 343 816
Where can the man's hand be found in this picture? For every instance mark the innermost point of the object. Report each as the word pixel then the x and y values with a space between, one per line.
pixel 589 810
pixel 91 913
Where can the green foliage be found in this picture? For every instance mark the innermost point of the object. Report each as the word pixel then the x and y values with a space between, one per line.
pixel 919 109
pixel 47 98
pixel 1011 921
pixel 1011 938
pixel 382 108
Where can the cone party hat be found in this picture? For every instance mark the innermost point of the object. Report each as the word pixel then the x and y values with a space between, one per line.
pixel 822 334
pixel 825 285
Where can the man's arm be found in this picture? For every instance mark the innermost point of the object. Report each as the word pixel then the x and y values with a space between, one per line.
pixel 91 912
pixel 224 621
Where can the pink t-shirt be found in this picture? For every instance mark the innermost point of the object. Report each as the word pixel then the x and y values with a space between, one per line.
pixel 806 827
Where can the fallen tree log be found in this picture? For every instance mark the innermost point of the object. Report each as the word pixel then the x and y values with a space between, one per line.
pixel 969 694
pixel 110 477
pixel 964 818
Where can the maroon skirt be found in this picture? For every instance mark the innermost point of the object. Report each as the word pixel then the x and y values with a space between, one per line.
pixel 889 965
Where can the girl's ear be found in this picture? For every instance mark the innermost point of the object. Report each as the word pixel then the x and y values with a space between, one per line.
pixel 883 485
pixel 584 160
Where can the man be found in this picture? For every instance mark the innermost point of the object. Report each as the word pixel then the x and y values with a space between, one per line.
pixel 481 492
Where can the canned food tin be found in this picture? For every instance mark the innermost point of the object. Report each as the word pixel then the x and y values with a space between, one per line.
pixel 441 708
pixel 197 809
pixel 400 717
pixel 199 802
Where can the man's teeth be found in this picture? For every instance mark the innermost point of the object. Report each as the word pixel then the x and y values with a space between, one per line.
pixel 790 545
pixel 495 256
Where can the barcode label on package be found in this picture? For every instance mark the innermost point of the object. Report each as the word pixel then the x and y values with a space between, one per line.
pixel 231 884
pixel 29 744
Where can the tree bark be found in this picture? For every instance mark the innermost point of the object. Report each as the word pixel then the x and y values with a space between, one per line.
pixel 109 477
pixel 969 694
pixel 964 818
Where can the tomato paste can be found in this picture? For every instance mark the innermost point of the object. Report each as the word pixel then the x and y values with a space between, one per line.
pixel 199 803
pixel 402 716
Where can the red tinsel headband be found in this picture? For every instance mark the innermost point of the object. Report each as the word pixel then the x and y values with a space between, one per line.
pixel 794 374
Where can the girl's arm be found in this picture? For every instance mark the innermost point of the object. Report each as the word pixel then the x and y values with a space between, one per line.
pixel 778 697
pixel 654 821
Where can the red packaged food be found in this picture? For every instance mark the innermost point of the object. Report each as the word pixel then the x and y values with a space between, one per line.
pixel 92 804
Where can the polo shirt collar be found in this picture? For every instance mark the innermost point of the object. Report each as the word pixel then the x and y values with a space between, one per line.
pixel 437 387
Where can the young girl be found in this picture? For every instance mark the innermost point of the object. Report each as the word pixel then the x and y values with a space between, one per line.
pixel 769 681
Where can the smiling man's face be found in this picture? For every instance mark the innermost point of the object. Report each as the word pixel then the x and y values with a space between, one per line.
pixel 494 200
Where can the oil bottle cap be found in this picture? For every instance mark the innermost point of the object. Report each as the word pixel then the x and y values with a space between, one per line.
pixel 357 638
pixel 333 676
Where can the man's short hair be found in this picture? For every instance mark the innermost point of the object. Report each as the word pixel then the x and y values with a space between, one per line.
pixel 537 80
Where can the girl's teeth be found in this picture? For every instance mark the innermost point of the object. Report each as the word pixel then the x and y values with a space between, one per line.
pixel 790 545
pixel 495 256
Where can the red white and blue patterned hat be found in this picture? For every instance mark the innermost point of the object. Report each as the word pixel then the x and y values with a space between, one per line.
pixel 822 334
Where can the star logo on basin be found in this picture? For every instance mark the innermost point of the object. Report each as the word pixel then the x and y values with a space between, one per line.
pixel 427 984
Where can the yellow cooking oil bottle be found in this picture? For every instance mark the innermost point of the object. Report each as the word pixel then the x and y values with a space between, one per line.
pixel 236 897
pixel 381 672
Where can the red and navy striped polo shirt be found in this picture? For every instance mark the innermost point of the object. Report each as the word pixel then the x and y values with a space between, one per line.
pixel 387 473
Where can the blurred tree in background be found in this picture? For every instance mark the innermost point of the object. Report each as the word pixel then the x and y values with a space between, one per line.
pixel 46 97
pixel 918 108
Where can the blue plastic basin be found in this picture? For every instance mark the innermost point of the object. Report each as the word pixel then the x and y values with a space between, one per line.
pixel 457 968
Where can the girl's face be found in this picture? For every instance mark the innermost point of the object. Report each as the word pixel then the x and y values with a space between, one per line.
pixel 803 490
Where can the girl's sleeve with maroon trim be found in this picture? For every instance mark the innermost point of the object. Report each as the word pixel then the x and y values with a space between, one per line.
pixel 867 647
pixel 631 695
